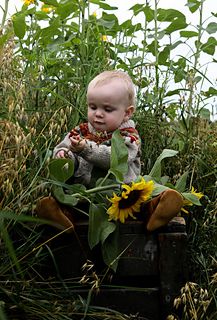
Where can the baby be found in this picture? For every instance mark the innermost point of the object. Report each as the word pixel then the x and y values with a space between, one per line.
pixel 111 104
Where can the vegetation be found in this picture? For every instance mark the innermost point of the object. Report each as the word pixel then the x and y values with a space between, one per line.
pixel 48 54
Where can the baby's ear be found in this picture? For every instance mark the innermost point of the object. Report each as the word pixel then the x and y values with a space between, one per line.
pixel 129 112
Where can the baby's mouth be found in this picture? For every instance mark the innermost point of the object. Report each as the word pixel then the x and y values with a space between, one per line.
pixel 99 123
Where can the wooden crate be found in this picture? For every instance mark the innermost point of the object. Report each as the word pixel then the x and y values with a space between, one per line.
pixel 150 272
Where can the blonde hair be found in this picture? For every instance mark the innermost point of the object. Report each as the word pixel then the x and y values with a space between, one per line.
pixel 106 76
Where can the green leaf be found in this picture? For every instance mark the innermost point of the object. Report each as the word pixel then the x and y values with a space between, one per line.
pixel 61 169
pixel 169 15
pixel 156 170
pixel 96 219
pixel 205 113
pixel 119 156
pixel 193 5
pixel 66 9
pixel 177 24
pixel 172 92
pixel 211 92
pixel 106 24
pixel 51 3
pixel 137 8
pixel 19 25
pixel 99 226
pixel 212 27
pixel 151 47
pixel 149 13
pixel 181 182
pixel 180 74
pixel 158 188
pixel 67 199
pixel 188 34
pixel 107 228
pixel 106 6
pixel 110 250
pixel 191 197
pixel 164 55
pixel 209 46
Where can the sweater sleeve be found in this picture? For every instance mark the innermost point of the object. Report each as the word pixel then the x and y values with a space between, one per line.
pixel 63 145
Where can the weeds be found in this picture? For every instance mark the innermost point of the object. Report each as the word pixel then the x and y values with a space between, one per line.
pixel 44 72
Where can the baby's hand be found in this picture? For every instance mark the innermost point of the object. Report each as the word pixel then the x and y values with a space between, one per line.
pixel 77 144
pixel 60 154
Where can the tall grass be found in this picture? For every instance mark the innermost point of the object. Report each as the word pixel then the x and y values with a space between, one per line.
pixel 46 62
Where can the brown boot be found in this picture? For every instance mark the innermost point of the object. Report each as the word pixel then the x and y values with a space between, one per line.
pixel 164 208
pixel 49 209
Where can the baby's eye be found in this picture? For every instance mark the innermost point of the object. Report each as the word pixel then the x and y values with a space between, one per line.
pixel 92 107
pixel 109 109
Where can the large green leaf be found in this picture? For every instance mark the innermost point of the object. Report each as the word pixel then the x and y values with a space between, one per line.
pixel 169 14
pixel 110 250
pixel 137 8
pixel 191 197
pixel 193 5
pixel 176 24
pixel 211 92
pixel 158 188
pixel 99 226
pixel 209 46
pixel 212 27
pixel 62 197
pixel 66 8
pixel 19 24
pixel 61 169
pixel 181 182
pixel 119 156
pixel 156 170
pixel 205 113
pixel 164 55
pixel 188 34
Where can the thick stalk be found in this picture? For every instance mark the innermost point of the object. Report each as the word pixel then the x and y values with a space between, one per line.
pixel 156 89
pixel 196 60
pixel 97 189
pixel 5 12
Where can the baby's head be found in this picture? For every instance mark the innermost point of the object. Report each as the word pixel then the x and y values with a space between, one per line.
pixel 111 100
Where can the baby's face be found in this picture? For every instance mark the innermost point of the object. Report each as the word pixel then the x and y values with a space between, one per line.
pixel 108 105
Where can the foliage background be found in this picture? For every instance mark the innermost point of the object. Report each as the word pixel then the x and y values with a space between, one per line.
pixel 48 54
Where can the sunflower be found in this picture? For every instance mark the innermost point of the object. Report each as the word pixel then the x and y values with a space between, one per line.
pixel 28 2
pixel 47 9
pixel 130 200
pixel 187 202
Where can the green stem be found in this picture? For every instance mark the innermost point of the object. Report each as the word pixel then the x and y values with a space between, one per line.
pixel 156 53
pixel 97 189
pixel 104 179
pixel 103 188
pixel 5 10
pixel 196 60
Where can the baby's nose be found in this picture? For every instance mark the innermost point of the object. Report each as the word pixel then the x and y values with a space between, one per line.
pixel 99 113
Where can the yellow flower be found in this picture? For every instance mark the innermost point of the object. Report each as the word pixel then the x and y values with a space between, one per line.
pixel 104 37
pixel 187 202
pixel 28 2
pixel 46 9
pixel 131 198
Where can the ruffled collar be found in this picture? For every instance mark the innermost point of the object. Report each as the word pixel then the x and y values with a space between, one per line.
pixel 127 124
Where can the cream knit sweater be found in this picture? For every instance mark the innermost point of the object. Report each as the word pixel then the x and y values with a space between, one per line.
pixel 95 157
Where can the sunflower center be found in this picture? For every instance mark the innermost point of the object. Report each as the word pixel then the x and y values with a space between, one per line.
pixel 133 196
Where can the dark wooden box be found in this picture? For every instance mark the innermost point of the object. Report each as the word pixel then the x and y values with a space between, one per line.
pixel 150 273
